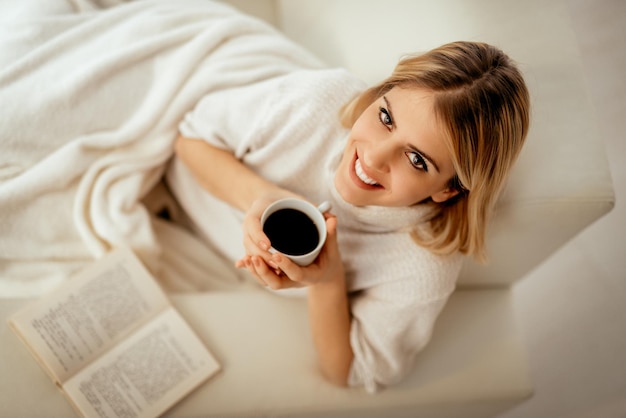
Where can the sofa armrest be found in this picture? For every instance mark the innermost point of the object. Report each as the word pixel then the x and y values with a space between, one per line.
pixel 269 367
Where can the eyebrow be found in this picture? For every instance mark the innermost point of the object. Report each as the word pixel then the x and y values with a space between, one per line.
pixel 413 147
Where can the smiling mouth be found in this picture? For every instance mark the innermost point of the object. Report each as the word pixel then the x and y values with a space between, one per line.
pixel 361 178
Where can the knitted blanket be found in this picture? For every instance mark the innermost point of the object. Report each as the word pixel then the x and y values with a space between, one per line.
pixel 91 96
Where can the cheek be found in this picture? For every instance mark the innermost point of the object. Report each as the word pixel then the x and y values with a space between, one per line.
pixel 356 134
pixel 412 188
pixel 364 125
pixel 412 195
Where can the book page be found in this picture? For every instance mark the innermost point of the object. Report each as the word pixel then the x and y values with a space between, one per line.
pixel 146 374
pixel 91 311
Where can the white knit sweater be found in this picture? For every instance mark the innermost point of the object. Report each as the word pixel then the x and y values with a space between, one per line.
pixel 287 130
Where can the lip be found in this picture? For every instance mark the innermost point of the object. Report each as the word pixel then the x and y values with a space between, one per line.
pixel 357 181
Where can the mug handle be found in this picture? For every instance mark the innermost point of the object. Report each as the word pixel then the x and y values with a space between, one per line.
pixel 324 206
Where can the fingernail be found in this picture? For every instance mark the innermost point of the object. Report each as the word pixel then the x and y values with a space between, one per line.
pixel 264 245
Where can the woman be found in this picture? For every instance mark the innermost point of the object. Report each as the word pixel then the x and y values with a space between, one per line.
pixel 412 168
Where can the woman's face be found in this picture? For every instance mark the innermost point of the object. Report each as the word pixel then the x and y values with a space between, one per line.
pixel 395 155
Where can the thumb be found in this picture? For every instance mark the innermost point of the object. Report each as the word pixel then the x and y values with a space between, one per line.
pixel 331 230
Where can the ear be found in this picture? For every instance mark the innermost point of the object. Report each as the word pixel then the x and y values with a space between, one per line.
pixel 444 195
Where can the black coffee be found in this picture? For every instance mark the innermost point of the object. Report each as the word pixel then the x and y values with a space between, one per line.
pixel 291 232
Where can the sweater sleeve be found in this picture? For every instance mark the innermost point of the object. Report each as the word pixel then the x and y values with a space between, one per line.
pixel 282 112
pixel 232 118
pixel 393 321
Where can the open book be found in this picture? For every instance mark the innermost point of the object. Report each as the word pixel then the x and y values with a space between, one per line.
pixel 113 343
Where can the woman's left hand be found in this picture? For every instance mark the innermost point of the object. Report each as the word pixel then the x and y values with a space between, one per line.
pixel 327 267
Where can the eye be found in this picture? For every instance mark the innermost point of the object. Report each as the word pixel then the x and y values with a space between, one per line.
pixel 416 160
pixel 385 117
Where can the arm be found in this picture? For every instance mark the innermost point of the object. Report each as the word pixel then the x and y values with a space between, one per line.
pixel 222 174
pixel 329 317
pixel 329 312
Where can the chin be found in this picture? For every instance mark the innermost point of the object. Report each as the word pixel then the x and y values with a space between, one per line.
pixel 349 192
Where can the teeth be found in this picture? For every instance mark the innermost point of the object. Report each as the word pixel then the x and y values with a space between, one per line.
pixel 361 174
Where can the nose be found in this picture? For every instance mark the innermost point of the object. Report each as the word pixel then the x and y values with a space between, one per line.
pixel 379 155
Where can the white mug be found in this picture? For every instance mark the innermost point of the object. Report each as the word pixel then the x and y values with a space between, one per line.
pixel 289 229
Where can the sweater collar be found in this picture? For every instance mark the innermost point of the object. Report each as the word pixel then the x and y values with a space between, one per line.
pixel 378 219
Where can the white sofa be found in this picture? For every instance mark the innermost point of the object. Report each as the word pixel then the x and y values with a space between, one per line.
pixel 475 365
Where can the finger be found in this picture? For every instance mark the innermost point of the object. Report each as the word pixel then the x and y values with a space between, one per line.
pixel 254 230
pixel 331 231
pixel 260 248
pixel 267 274
pixel 251 249
pixel 267 258
pixel 292 270
pixel 330 255
pixel 248 264
pixel 274 279
pixel 242 262
pixel 254 245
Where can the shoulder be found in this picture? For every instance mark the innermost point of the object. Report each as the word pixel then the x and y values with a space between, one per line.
pixel 302 108
pixel 308 97
pixel 330 86
pixel 296 85
pixel 310 77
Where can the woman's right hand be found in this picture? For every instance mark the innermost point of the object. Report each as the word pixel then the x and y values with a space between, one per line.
pixel 255 241
pixel 229 179
pixel 282 273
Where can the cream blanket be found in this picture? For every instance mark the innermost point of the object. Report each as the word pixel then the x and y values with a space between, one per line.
pixel 90 100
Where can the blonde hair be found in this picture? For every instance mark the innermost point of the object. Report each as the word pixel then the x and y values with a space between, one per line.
pixel 483 106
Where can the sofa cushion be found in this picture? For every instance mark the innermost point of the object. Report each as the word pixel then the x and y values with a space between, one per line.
pixel 561 183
